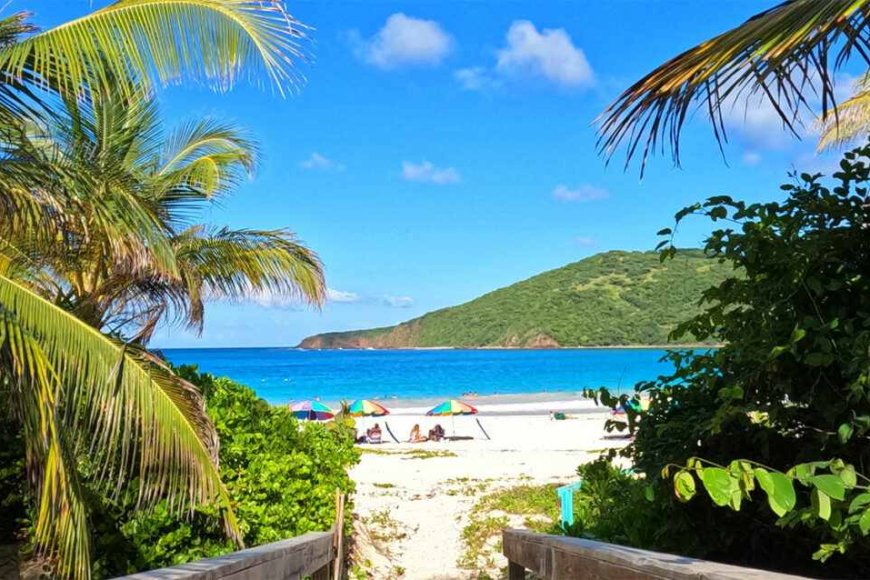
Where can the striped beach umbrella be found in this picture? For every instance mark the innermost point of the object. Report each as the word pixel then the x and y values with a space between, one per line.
pixel 452 407
pixel 311 411
pixel 367 408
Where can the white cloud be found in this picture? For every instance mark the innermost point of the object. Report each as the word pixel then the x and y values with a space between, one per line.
pixel 475 78
pixel 269 299
pixel 398 301
pixel 318 162
pixel 582 193
pixel 751 158
pixel 333 295
pixel 405 41
pixel 426 172
pixel 549 54
pixel 584 241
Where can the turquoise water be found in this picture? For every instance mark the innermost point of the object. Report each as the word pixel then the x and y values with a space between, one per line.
pixel 280 375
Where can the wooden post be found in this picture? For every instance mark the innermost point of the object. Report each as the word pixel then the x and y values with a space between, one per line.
pixel 516 571
pixel 339 531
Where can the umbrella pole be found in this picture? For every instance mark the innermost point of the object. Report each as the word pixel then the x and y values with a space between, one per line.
pixel 453 422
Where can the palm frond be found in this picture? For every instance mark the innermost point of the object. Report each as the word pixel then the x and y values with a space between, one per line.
pixel 784 55
pixel 130 40
pixel 239 265
pixel 852 120
pixel 125 409
pixel 204 159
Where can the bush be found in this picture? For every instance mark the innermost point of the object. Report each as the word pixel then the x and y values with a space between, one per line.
pixel 791 383
pixel 280 473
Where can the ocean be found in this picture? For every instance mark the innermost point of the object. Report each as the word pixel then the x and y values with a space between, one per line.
pixel 281 375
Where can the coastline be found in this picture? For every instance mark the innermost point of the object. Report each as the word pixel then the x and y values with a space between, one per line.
pixel 496 404
pixel 671 346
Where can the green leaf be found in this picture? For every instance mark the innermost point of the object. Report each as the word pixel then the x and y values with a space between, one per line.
pixel 649 493
pixel 684 486
pixel 779 490
pixel 845 432
pixel 797 335
pixel 848 477
pixel 818 359
pixel 717 482
pixel 864 522
pixel 859 501
pixel 831 485
pixel 821 504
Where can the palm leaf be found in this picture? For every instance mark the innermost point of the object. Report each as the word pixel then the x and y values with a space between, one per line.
pixel 131 40
pixel 236 265
pixel 783 55
pixel 125 409
pixel 852 120
pixel 202 160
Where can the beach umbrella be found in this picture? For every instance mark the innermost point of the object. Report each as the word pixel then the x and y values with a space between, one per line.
pixel 452 407
pixel 311 411
pixel 367 408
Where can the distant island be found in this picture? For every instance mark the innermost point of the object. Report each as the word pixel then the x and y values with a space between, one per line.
pixel 610 299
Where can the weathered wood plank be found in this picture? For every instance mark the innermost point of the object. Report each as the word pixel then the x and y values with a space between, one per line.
pixel 556 557
pixel 285 560
pixel 516 571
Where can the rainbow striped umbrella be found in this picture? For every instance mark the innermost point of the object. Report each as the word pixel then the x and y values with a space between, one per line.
pixel 311 411
pixel 367 408
pixel 452 407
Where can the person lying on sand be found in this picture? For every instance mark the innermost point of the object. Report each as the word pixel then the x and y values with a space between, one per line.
pixel 416 436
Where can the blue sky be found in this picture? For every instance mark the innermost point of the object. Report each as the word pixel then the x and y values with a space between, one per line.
pixel 440 150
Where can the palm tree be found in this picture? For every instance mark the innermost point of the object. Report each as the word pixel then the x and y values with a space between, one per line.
pixel 116 146
pixel 72 389
pixel 787 55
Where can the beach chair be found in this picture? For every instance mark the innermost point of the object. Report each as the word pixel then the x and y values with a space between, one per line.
pixel 373 439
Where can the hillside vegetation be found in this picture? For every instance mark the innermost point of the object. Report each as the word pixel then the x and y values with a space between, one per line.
pixel 613 298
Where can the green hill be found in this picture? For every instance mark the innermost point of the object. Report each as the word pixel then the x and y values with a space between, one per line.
pixel 613 298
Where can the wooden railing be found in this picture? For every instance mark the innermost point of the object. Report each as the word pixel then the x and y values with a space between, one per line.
pixel 559 557
pixel 312 554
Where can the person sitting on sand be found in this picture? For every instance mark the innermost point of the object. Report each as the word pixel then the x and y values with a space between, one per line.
pixel 374 434
pixel 416 436
pixel 436 433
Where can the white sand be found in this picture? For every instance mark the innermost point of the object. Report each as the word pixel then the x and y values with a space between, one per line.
pixel 430 510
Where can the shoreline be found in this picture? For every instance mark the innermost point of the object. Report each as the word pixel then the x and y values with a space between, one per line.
pixel 517 348
pixel 458 348
pixel 494 404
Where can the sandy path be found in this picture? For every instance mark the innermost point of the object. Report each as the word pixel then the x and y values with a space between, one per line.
pixel 413 510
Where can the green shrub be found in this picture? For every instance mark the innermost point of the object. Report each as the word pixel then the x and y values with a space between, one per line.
pixel 281 475
pixel 790 385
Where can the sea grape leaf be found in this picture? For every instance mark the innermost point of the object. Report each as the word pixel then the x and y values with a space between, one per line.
pixel 831 485
pixel 845 432
pixel 684 486
pixel 859 501
pixel 718 483
pixel 821 504
pixel 864 522
pixel 848 476
pixel 779 489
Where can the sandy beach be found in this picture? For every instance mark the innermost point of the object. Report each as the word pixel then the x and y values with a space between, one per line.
pixel 412 506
